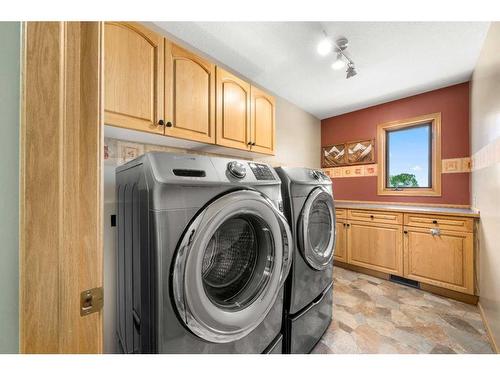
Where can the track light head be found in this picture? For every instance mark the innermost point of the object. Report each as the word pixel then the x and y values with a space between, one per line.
pixel 325 46
pixel 339 63
pixel 351 71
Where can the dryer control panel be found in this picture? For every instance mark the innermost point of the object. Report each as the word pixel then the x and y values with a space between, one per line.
pixel 261 171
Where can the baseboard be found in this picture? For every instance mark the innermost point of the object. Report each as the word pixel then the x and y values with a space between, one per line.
pixel 494 345
pixel 367 271
pixel 448 293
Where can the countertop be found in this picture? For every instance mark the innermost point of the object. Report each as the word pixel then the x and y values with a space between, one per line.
pixel 436 210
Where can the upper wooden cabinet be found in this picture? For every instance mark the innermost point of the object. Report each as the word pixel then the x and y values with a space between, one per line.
pixel 263 120
pixel 133 72
pixel 153 85
pixel 233 111
pixel 189 95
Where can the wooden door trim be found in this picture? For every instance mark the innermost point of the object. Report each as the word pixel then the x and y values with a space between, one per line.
pixel 61 186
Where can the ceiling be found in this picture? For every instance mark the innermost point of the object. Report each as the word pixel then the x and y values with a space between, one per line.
pixel 393 59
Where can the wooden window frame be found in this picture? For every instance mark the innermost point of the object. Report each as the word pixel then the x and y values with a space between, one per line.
pixel 435 190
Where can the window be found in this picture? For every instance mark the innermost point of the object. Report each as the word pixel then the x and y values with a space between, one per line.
pixel 409 156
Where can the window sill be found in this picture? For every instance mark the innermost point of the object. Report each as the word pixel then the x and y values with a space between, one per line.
pixel 408 192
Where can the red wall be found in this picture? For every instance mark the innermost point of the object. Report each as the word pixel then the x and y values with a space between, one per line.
pixel 452 102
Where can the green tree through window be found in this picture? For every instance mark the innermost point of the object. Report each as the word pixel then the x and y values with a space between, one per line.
pixel 404 180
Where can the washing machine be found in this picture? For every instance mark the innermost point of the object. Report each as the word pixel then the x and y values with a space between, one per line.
pixel 309 208
pixel 203 253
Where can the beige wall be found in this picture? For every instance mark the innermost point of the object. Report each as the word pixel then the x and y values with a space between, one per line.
pixel 485 148
pixel 298 137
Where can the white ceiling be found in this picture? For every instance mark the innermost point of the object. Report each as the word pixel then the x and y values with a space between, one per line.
pixel 393 59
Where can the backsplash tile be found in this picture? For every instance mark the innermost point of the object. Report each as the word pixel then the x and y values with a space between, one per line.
pixel 117 152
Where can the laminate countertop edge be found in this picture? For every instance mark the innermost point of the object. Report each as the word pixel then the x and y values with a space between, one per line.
pixel 431 210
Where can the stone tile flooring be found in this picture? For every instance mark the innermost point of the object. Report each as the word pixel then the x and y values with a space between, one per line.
pixel 372 315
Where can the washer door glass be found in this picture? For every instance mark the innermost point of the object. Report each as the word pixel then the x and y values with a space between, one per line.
pixel 238 261
pixel 317 229
pixel 230 266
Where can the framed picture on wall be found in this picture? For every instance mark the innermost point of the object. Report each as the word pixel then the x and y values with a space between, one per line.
pixel 361 152
pixel 333 156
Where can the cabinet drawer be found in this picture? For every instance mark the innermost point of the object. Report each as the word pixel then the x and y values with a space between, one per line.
pixel 461 224
pixel 341 213
pixel 383 217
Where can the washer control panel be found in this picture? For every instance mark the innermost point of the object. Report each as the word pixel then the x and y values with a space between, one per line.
pixel 261 171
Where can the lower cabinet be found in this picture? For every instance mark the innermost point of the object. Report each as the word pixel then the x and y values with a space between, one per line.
pixel 340 253
pixel 440 257
pixel 375 246
pixel 432 249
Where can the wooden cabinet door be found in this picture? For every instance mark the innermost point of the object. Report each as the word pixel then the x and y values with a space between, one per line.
pixel 233 111
pixel 189 95
pixel 263 122
pixel 444 259
pixel 133 77
pixel 341 242
pixel 376 246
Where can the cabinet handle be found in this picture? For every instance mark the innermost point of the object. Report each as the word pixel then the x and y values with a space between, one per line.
pixel 169 124
pixel 434 221
pixel 435 232
pixel 161 122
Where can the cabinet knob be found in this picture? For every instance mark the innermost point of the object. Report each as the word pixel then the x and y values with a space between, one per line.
pixel 169 124
pixel 371 216
pixel 249 143
pixel 405 232
pixel 434 221
pixel 435 231
pixel 253 143
pixel 161 122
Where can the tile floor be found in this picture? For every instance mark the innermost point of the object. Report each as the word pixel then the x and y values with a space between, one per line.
pixel 372 315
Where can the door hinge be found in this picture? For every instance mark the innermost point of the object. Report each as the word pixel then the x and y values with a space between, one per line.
pixel 91 301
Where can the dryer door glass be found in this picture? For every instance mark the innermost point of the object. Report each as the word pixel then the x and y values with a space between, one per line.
pixel 230 266
pixel 317 229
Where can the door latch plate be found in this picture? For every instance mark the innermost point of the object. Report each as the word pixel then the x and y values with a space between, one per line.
pixel 91 301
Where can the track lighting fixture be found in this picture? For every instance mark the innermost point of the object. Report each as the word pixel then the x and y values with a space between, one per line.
pixel 326 46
